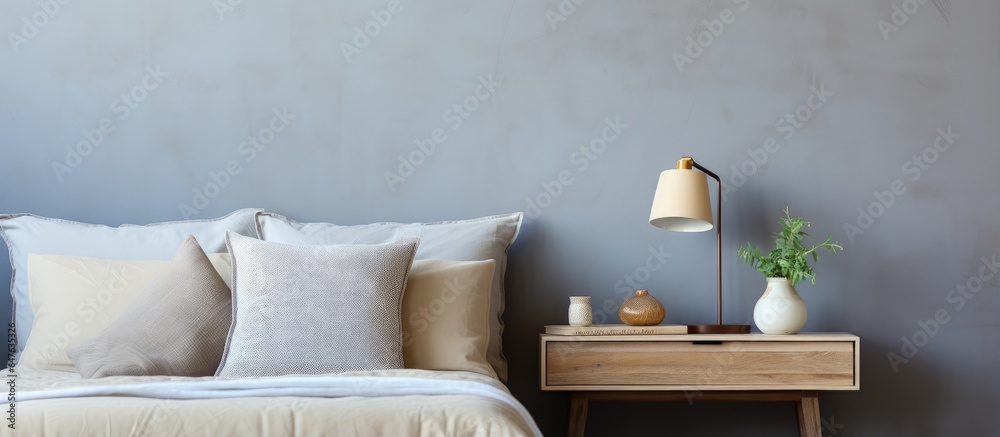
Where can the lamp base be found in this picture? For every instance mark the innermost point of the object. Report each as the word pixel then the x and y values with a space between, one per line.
pixel 718 329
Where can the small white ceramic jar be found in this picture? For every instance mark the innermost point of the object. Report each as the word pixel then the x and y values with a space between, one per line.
pixel 580 313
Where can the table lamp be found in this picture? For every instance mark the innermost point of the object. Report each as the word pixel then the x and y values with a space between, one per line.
pixel 682 204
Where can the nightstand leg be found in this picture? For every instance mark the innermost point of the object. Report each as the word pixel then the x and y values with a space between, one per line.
pixel 808 413
pixel 578 404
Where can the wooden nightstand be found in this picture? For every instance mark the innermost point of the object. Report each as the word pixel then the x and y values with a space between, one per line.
pixel 700 368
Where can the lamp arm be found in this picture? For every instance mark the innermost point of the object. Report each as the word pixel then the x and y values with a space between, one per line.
pixel 718 231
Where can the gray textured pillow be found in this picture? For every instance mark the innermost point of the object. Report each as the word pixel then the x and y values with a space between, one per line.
pixel 464 240
pixel 316 309
pixel 177 326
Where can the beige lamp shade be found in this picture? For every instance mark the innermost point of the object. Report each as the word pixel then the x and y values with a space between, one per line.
pixel 681 202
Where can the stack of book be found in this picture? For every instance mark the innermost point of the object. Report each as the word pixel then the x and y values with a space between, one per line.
pixel 616 330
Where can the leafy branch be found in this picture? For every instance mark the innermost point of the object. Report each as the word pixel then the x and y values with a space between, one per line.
pixel 790 256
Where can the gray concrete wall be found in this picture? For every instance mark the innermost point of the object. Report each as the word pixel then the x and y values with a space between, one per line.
pixel 823 106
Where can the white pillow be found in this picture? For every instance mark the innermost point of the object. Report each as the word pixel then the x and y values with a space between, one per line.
pixel 25 233
pixel 315 310
pixel 445 316
pixel 478 239
pixel 75 298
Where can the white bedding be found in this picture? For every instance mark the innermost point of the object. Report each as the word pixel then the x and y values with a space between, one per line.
pixel 393 402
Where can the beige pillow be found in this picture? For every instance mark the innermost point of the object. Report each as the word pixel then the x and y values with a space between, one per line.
pixel 316 309
pixel 75 298
pixel 176 327
pixel 446 323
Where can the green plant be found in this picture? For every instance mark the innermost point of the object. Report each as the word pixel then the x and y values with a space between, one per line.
pixel 789 259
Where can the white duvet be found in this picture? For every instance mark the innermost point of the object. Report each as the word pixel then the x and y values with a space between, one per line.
pixel 393 402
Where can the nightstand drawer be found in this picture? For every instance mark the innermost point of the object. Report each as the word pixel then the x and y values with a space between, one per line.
pixel 707 365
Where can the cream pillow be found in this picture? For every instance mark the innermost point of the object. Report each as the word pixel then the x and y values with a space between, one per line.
pixel 75 298
pixel 446 308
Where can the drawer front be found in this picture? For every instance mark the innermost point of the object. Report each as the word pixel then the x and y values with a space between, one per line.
pixel 789 364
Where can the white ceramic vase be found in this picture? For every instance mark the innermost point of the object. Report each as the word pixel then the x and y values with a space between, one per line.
pixel 580 313
pixel 780 310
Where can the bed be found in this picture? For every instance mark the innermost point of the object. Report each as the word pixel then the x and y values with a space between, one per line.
pixel 392 402
pixel 255 324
